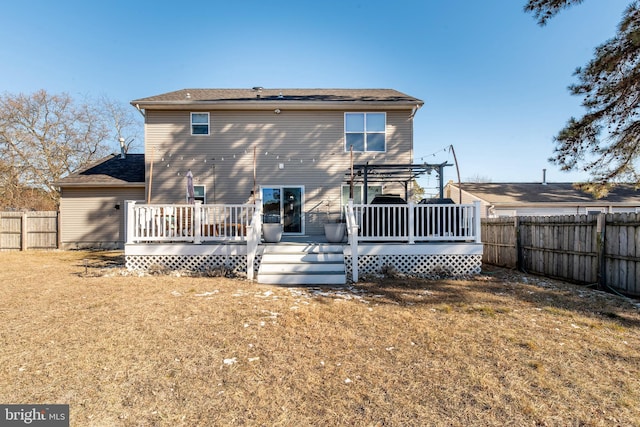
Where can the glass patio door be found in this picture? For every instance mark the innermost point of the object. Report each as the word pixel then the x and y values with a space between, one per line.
pixel 284 205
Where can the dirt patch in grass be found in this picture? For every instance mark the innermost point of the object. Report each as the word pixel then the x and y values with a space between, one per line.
pixel 502 349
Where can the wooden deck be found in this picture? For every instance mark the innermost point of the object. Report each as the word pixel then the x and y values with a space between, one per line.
pixel 414 240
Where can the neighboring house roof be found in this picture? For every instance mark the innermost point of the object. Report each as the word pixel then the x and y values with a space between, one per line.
pixel 549 193
pixel 109 171
pixel 260 97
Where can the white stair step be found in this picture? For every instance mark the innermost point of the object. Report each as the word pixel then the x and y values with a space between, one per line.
pixel 302 264
pixel 317 248
pixel 302 267
pixel 301 257
pixel 302 279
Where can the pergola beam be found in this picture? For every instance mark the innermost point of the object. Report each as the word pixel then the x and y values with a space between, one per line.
pixel 401 173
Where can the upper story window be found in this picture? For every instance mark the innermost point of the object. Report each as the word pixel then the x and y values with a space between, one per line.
pixel 365 131
pixel 199 123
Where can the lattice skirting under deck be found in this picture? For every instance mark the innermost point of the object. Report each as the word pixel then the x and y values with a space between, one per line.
pixel 235 263
pixel 411 265
pixel 418 265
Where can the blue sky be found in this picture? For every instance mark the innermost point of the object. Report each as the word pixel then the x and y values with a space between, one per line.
pixel 493 81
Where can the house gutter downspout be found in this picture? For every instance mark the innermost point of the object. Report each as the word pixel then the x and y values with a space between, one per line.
pixel 140 110
pixel 414 111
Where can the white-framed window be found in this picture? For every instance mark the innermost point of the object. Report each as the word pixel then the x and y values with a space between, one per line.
pixel 365 132
pixel 199 123
pixel 372 191
pixel 595 210
pixel 200 193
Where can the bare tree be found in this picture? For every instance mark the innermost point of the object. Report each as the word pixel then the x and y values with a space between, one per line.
pixel 123 123
pixel 9 184
pixel 43 137
pixel 479 179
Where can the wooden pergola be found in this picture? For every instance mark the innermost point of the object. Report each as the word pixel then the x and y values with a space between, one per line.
pixel 401 173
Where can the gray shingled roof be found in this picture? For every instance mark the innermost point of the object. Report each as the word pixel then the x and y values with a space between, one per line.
pixel 110 170
pixel 217 96
pixel 529 193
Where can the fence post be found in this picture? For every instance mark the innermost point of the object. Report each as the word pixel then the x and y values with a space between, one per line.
pixel 23 232
pixel 518 243
pixel 58 230
pixel 601 226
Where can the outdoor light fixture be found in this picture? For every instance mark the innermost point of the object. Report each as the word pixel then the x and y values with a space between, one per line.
pixel 280 165
pixel 277 111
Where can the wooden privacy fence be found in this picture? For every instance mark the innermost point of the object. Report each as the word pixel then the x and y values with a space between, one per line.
pixel 29 230
pixel 599 249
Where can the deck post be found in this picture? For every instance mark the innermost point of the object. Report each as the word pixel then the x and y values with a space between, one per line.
pixel 412 230
pixel 253 238
pixel 129 221
pixel 476 221
pixel 197 221
pixel 353 240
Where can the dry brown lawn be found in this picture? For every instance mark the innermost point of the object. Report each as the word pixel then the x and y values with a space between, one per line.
pixel 502 349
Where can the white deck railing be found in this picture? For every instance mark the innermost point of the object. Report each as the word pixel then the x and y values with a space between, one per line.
pixel 417 222
pixel 195 223
pixel 410 223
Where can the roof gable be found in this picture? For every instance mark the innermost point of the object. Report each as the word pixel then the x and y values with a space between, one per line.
pixel 110 170
pixel 530 193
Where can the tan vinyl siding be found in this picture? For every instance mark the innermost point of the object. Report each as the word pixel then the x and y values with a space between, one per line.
pixel 544 211
pixel 89 219
pixel 623 209
pixel 310 144
pixel 453 193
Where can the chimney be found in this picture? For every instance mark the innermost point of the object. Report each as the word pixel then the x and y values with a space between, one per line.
pixel 123 153
pixel 544 177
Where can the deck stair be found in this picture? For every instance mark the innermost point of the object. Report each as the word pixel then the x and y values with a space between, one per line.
pixel 302 264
